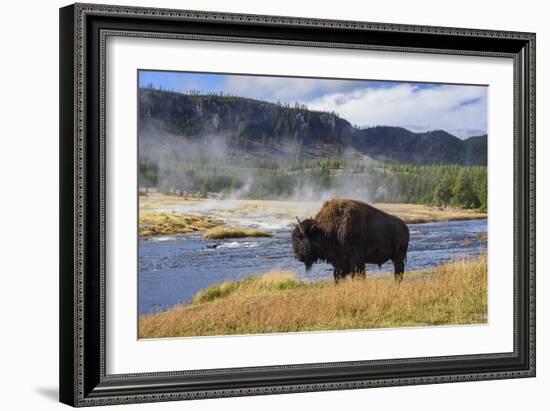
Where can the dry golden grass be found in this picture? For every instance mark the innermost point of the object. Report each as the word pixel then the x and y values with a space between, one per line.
pixel 153 199
pixel 454 293
pixel 153 223
pixel 283 209
pixel 218 233
pixel 419 213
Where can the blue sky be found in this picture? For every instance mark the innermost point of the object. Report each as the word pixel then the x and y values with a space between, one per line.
pixel 459 109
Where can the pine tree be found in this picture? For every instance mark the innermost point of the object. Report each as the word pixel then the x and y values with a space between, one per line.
pixel 463 192
pixel 443 193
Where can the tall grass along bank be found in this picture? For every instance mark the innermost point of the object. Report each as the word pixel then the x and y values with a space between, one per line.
pixel 451 294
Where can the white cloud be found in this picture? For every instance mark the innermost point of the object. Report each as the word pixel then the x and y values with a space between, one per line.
pixel 460 110
pixel 285 89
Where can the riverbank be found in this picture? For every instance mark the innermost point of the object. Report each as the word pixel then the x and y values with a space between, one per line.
pixel 155 223
pixel 166 223
pixel 158 210
pixel 451 294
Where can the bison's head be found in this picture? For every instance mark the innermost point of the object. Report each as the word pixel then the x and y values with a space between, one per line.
pixel 306 242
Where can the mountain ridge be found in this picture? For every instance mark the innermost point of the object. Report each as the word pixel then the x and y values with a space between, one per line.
pixel 260 129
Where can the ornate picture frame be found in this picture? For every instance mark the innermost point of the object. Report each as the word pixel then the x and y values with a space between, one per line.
pixel 84 29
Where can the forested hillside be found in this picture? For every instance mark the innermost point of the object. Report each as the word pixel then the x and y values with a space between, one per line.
pixel 259 129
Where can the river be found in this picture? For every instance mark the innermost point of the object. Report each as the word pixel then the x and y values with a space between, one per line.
pixel 173 268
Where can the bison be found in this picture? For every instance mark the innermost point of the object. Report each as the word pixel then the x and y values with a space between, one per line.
pixel 349 234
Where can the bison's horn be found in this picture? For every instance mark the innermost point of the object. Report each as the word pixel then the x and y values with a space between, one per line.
pixel 300 225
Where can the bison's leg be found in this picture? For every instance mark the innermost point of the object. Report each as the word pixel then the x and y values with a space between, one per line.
pixel 357 265
pixel 358 270
pixel 337 274
pixel 398 269
pixel 341 271
pixel 360 273
pixel 347 270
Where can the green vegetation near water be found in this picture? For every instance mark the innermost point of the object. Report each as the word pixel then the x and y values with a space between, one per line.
pixel 441 185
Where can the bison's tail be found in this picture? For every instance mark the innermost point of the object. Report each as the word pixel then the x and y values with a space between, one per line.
pixel 404 251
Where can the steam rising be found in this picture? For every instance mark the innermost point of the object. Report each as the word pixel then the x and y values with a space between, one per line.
pixel 211 165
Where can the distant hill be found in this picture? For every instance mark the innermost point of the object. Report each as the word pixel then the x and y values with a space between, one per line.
pixel 257 129
pixel 432 147
pixel 475 150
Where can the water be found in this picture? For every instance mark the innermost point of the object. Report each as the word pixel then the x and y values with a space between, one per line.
pixel 172 269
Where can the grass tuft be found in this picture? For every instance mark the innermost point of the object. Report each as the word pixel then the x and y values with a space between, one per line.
pixel 153 223
pixel 271 281
pixel 215 291
pixel 222 232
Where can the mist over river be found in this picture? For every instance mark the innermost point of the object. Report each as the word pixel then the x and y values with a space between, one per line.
pixel 173 268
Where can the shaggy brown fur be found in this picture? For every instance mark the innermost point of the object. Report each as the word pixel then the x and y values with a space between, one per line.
pixel 349 234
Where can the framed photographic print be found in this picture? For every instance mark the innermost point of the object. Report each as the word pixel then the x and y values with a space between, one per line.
pixel 261 204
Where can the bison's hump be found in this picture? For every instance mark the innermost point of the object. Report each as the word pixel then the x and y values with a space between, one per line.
pixel 343 206
pixel 347 211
